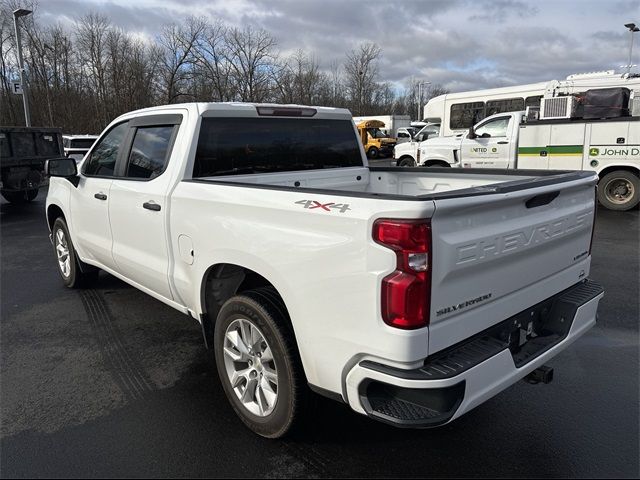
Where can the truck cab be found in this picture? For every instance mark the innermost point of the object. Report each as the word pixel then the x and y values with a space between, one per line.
pixel 376 142
pixel 492 143
pixel 406 154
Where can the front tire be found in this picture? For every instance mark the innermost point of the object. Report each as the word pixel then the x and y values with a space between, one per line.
pixel 619 190
pixel 74 273
pixel 257 362
pixel 373 152
pixel 407 162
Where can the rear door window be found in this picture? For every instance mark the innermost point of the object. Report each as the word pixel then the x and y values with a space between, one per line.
pixel 237 146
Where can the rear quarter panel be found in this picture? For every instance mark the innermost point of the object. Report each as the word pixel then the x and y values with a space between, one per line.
pixel 323 263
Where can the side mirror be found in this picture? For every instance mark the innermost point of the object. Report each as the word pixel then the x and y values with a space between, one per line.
pixel 419 137
pixel 472 134
pixel 64 167
pixel 61 167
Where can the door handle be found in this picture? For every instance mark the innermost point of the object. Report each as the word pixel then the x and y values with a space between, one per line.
pixel 151 206
pixel 100 196
pixel 503 143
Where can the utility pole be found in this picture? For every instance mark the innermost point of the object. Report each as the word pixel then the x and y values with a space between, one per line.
pixel 632 29
pixel 420 84
pixel 21 12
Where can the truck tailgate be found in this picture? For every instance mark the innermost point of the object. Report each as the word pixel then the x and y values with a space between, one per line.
pixel 499 252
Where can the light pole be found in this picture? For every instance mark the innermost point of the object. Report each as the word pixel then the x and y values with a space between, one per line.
pixel 632 29
pixel 21 12
pixel 420 84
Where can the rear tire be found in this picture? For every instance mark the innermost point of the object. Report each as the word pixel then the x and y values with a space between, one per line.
pixel 619 190
pixel 263 381
pixel 74 273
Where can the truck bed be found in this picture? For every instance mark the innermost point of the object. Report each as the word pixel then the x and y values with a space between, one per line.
pixel 402 183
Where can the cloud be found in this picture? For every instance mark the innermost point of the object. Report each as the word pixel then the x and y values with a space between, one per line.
pixel 462 44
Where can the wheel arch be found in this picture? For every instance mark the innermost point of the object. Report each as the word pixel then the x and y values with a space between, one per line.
pixel 436 163
pixel 612 168
pixel 222 281
pixel 53 212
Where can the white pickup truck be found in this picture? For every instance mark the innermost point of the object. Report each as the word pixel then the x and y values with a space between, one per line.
pixel 412 295
pixel 609 147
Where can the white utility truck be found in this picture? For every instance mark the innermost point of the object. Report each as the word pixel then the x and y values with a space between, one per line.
pixel 593 133
pixel 407 154
pixel 413 296
pixel 459 111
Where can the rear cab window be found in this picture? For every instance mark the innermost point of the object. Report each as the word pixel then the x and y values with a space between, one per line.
pixel 240 146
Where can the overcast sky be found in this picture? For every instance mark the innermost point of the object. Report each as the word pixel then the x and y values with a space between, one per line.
pixel 462 44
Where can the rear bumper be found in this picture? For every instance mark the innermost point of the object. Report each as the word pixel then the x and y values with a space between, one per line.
pixel 456 380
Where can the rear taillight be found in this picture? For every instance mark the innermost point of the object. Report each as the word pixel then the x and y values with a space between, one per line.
pixel 406 293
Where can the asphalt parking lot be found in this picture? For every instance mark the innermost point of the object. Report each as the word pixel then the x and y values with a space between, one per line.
pixel 109 382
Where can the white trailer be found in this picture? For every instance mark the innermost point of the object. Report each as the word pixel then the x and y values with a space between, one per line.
pixel 456 112
pixel 391 122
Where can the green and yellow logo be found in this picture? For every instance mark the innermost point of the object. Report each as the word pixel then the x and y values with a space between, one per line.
pixel 594 152
pixel 494 150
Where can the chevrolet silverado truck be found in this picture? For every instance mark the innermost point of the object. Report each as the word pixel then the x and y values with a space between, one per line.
pixel 413 295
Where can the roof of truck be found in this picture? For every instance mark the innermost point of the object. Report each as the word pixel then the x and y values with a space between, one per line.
pixel 238 107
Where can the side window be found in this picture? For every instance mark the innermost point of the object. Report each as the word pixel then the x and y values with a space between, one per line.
pixel 465 115
pixel 494 128
pixel 149 151
pixel 403 135
pixel 533 101
pixel 504 105
pixel 102 160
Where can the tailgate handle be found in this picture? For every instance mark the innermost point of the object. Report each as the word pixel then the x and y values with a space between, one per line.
pixel 542 199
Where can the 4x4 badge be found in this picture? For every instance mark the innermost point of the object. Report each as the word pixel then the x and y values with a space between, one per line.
pixel 327 207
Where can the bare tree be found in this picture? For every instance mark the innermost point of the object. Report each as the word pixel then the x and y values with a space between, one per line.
pixel 178 42
pixel 212 57
pixel 299 80
pixel 252 59
pixel 361 69
pixel 82 78
pixel 91 39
